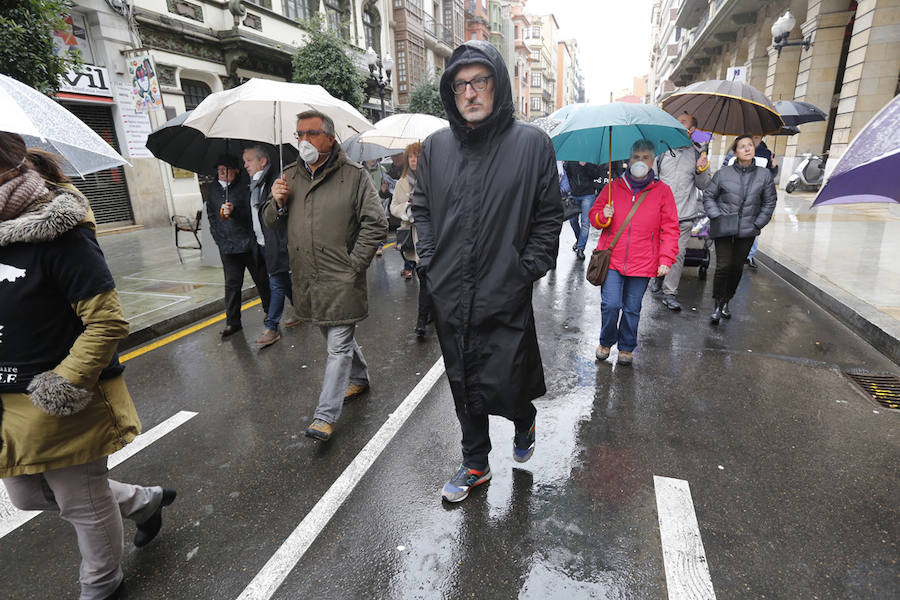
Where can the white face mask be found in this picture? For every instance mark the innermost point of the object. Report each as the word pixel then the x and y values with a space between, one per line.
pixel 639 169
pixel 308 153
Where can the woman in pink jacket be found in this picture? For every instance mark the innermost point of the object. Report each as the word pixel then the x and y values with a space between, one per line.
pixel 647 247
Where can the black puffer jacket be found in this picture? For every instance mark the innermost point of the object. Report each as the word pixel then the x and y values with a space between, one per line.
pixel 235 234
pixel 581 177
pixel 729 188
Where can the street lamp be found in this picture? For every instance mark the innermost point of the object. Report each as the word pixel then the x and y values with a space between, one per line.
pixel 782 28
pixel 380 81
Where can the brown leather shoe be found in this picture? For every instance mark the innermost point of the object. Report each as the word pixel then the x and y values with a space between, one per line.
pixel 292 321
pixel 268 337
pixel 319 430
pixel 355 390
pixel 625 358
pixel 602 353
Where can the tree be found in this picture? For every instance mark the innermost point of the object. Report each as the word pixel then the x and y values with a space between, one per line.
pixel 426 98
pixel 27 46
pixel 325 61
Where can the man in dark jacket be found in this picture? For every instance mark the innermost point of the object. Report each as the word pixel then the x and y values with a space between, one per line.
pixel 273 243
pixel 488 214
pixel 231 226
pixel 581 181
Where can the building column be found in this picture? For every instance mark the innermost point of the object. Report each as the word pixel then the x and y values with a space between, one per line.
pixel 816 76
pixel 781 81
pixel 870 77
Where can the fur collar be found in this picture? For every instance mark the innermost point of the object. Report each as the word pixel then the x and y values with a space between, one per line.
pixel 50 216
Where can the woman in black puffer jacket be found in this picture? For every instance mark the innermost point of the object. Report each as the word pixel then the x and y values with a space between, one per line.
pixel 739 201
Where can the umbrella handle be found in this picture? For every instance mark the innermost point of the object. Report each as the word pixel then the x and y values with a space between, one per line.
pixel 609 168
pixel 280 142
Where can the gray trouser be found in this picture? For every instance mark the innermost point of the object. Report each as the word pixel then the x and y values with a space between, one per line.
pixel 345 365
pixel 95 505
pixel 670 283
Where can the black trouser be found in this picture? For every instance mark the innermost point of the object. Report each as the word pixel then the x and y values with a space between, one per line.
pixel 476 438
pixel 234 265
pixel 731 252
pixel 424 300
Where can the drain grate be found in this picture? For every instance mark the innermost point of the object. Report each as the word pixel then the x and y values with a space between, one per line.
pixel 884 389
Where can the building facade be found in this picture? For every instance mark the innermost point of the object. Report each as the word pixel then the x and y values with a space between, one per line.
pixel 541 41
pixel 195 48
pixel 849 70
pixel 521 82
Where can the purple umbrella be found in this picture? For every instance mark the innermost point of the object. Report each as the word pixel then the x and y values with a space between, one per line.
pixel 701 137
pixel 869 170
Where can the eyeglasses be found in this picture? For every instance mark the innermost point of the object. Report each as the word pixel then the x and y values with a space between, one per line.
pixel 479 84
pixel 309 133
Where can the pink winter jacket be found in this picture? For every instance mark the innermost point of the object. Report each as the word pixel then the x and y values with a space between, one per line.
pixel 651 238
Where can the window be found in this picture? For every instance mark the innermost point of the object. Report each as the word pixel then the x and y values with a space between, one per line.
pixel 535 103
pixel 400 64
pixel 263 3
pixel 296 9
pixel 372 29
pixel 536 31
pixel 194 92
pixel 536 79
pixel 336 17
pixel 535 54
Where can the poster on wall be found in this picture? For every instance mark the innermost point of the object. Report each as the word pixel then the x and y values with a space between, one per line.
pixel 145 91
pixel 73 38
pixel 135 124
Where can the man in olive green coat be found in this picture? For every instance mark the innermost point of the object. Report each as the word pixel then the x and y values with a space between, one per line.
pixel 335 224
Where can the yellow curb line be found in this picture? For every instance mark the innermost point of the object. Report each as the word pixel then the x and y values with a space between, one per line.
pixel 184 332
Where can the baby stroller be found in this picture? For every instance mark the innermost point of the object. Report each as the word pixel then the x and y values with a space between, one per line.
pixel 697 252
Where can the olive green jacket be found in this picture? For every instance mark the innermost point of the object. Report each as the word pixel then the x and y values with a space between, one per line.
pixel 335 223
pixel 31 440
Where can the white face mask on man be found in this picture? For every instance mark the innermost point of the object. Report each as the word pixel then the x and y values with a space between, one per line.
pixel 308 153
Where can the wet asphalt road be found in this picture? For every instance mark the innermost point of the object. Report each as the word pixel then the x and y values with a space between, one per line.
pixel 793 472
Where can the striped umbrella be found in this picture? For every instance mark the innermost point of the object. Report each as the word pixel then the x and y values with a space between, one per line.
pixel 726 108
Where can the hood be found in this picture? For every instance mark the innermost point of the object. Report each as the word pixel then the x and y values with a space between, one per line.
pixel 478 52
pixel 62 208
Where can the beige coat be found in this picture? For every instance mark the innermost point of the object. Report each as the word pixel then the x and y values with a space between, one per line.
pixel 399 205
pixel 32 441
pixel 335 223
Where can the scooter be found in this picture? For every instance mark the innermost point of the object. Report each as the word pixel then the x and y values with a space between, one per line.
pixel 809 173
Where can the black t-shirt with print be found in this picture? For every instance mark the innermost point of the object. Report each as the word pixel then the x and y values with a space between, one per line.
pixel 39 283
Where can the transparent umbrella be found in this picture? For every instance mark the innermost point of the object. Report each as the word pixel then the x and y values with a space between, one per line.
pixel 47 125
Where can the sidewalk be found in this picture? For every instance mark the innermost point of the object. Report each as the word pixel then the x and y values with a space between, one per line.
pixel 845 258
pixel 158 293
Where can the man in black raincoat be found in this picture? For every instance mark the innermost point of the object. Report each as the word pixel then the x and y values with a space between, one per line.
pixel 488 214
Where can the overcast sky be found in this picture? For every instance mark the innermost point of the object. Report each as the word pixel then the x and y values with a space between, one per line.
pixel 613 39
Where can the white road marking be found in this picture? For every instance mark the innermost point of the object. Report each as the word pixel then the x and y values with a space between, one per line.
pixel 273 574
pixel 687 572
pixel 11 518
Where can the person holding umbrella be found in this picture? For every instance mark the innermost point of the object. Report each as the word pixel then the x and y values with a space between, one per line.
pixel 231 226
pixel 64 404
pixel 643 220
pixel 739 201
pixel 334 221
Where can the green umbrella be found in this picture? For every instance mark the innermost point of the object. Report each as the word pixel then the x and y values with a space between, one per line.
pixel 598 133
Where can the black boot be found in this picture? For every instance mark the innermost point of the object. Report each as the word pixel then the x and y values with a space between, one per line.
pixel 717 314
pixel 726 312
pixel 420 325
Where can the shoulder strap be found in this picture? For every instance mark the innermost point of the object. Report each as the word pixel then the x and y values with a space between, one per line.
pixel 630 214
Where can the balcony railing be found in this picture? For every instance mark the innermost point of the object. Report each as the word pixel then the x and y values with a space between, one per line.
pixel 430 27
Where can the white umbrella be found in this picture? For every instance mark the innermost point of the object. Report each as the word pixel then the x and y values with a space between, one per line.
pixel 263 110
pixel 47 125
pixel 399 131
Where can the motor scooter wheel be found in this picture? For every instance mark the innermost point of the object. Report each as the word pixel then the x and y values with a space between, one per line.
pixel 790 187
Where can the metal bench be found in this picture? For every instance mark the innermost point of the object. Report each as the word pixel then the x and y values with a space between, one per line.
pixel 186 224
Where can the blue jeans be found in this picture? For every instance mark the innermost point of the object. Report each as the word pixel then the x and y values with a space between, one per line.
pixel 584 230
pixel 753 247
pixel 621 294
pixel 280 285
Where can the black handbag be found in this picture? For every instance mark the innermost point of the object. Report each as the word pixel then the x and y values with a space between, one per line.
pixel 404 241
pixel 571 207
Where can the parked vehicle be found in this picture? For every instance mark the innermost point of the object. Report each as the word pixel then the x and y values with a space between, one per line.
pixel 808 175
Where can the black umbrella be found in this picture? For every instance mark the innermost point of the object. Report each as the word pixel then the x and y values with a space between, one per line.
pixel 726 108
pixel 187 148
pixel 794 112
pixel 789 130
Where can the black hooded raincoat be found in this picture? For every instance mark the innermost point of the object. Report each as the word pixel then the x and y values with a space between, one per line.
pixel 488 214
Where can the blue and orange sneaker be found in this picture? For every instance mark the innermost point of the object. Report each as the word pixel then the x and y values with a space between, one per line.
pixel 523 444
pixel 457 489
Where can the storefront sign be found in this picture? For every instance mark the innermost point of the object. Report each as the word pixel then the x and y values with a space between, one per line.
pixel 145 94
pixel 135 124
pixel 89 80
